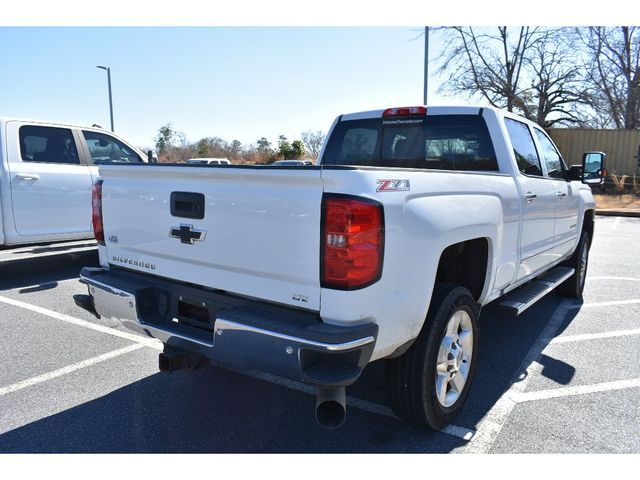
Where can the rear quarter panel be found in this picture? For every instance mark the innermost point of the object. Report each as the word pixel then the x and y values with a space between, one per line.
pixel 442 208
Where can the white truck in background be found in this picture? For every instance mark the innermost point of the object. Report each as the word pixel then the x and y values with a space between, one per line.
pixel 46 174
pixel 412 220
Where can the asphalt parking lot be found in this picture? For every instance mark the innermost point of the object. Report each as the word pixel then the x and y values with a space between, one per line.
pixel 562 377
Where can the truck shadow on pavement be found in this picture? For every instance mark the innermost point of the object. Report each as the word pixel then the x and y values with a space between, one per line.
pixel 44 271
pixel 214 410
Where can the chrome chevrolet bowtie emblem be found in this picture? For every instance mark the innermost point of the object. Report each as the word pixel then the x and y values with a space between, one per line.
pixel 187 234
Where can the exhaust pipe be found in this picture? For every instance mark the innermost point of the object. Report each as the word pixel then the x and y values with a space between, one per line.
pixel 170 361
pixel 331 408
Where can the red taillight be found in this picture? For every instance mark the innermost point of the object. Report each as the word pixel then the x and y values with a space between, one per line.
pixel 96 212
pixel 352 243
pixel 404 111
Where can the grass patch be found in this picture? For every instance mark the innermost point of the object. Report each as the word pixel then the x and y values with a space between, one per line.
pixel 617 202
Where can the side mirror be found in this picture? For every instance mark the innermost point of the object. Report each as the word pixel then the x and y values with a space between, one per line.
pixel 593 170
pixel 152 157
pixel 574 173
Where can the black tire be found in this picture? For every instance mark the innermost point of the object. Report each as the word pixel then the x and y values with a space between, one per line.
pixel 411 378
pixel 573 286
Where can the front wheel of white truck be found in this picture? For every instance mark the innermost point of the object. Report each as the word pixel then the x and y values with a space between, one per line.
pixel 430 382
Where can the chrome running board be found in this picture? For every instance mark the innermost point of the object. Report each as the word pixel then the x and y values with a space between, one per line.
pixel 523 297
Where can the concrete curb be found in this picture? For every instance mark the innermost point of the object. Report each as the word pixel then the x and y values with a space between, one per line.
pixel 618 213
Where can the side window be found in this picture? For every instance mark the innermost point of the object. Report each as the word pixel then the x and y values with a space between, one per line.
pixel 550 155
pixel 47 145
pixel 106 149
pixel 523 147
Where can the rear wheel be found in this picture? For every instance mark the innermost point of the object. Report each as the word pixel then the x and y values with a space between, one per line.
pixel 430 382
pixel 574 285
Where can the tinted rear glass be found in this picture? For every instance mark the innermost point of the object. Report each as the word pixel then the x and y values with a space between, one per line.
pixel 443 142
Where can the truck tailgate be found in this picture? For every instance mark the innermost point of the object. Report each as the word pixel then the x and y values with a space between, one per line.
pixel 259 231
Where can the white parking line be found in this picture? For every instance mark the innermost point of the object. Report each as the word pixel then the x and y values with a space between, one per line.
pixel 68 369
pixel 605 304
pixel 577 390
pixel 148 342
pixel 596 336
pixel 616 223
pixel 140 341
pixel 490 426
pixel 600 277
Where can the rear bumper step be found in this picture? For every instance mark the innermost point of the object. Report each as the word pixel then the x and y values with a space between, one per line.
pixel 522 298
pixel 241 333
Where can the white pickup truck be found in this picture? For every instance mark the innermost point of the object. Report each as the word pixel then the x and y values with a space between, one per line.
pixel 46 174
pixel 387 249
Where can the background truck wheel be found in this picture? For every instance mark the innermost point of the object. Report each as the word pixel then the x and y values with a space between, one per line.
pixel 429 383
pixel 574 285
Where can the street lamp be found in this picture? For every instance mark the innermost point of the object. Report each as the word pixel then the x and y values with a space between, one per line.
pixel 110 99
pixel 426 64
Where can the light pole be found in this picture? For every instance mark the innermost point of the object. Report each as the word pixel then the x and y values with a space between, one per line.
pixel 110 99
pixel 426 63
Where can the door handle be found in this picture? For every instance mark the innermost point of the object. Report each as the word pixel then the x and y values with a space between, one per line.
pixel 560 194
pixel 27 177
pixel 530 196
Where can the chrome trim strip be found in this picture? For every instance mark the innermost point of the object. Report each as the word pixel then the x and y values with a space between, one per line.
pixel 107 288
pixel 166 333
pixel 222 324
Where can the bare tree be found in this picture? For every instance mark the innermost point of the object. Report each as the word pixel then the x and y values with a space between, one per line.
pixel 312 142
pixel 488 64
pixel 614 73
pixel 558 92
pixel 529 70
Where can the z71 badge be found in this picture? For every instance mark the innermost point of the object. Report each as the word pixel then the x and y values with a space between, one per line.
pixel 393 186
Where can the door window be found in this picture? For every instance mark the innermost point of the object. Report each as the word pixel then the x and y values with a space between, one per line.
pixel 523 148
pixel 47 145
pixel 551 157
pixel 106 149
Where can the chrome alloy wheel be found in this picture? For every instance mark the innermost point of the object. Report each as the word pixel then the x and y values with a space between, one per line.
pixel 583 264
pixel 454 358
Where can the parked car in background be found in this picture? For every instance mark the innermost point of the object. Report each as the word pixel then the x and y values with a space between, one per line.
pixel 46 174
pixel 291 163
pixel 209 161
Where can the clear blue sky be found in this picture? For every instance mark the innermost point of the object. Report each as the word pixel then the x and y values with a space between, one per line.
pixel 234 83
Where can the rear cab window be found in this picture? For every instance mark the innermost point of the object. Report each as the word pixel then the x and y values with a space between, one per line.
pixel 436 142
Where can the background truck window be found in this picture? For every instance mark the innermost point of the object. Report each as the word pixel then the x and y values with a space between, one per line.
pixel 47 145
pixel 106 149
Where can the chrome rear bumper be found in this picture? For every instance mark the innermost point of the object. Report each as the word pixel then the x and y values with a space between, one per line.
pixel 230 330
